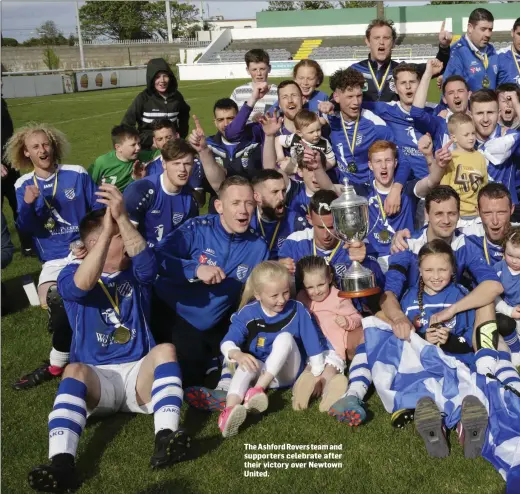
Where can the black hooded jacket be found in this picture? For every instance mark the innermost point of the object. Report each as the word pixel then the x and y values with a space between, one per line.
pixel 149 105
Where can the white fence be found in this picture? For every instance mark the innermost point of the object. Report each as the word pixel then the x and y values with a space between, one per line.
pixel 183 41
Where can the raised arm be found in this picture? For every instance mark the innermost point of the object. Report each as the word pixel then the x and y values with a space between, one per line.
pixel 437 165
pixel 215 174
pixel 433 68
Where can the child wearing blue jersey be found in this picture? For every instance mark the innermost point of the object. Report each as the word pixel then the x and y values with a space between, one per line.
pixel 437 291
pixel 508 270
pixel 116 365
pixel 159 204
pixel 52 199
pixel 270 340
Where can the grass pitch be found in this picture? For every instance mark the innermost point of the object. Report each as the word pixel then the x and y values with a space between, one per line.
pixel 114 453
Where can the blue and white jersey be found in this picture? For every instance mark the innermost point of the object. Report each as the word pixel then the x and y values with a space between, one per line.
pixel 403 267
pixel 460 326
pixel 155 167
pixel 510 281
pixel 301 244
pixel 371 128
pixel 297 198
pixel 156 211
pixel 254 332
pixel 502 153
pixel 380 222
pixel 94 321
pixel 475 234
pixel 426 121
pixel 276 232
pixel 406 134
pixel 508 70
pixel 75 197
pixel 464 61
pixel 199 241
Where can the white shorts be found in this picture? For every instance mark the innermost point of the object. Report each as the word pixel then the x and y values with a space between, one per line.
pixel 117 394
pixel 52 269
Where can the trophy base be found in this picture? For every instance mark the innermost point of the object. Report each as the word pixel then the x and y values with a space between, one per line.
pixel 360 293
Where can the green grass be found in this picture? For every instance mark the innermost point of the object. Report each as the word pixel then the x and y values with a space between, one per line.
pixel 114 453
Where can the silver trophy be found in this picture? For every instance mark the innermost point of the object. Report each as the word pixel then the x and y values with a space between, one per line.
pixel 350 217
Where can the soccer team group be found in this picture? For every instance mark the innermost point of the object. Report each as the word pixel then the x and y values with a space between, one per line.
pixel 146 298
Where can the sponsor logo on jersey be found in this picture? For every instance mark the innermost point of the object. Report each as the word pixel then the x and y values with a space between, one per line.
pixel 211 252
pixel 242 271
pixel 359 139
pixel 70 194
pixel 156 211
pixel 48 186
pixel 203 259
pixel 177 218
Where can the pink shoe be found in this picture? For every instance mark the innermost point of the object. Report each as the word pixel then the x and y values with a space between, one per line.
pixel 256 400
pixel 230 419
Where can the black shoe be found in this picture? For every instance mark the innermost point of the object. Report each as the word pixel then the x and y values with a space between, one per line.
pixel 28 252
pixel 59 478
pixel 170 448
pixel 35 378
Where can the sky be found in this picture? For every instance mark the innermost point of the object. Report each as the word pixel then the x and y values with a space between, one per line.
pixel 20 18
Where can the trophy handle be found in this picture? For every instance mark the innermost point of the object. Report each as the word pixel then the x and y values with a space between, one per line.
pixel 324 205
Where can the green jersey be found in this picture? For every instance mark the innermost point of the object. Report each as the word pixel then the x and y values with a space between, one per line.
pixel 108 168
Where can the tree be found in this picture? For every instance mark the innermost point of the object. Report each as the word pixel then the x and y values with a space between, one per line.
pixel 356 4
pixel 277 6
pixel 49 31
pixel 9 42
pixel 134 20
pixel 315 5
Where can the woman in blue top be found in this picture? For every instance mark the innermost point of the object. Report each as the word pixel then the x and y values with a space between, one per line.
pixel 270 340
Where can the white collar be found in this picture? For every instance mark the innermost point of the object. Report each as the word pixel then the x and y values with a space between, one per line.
pixel 512 271
pixel 164 188
pixel 386 192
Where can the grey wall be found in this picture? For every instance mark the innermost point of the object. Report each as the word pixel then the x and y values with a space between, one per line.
pixel 18 58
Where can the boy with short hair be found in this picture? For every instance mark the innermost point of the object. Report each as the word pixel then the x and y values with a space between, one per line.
pixel 308 133
pixel 258 67
pixel 123 164
pixel 467 170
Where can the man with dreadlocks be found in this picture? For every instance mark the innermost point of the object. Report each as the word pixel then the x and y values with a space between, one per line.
pixel 52 199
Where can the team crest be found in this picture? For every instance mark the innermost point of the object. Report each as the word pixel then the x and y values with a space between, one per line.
pixel 177 218
pixel 125 290
pixel 391 84
pixel 359 139
pixel 242 271
pixel 281 240
pixel 245 160
pixel 70 194
pixel 340 269
pixel 365 86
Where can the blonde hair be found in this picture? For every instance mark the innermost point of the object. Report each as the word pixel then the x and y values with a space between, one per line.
pixel 14 149
pixel 263 273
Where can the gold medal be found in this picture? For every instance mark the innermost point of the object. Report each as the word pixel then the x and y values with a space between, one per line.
pixel 121 335
pixel 351 167
pixel 50 224
pixel 384 235
pixel 485 82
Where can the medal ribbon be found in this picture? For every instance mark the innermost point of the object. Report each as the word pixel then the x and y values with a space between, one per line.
pixel 352 146
pixel 381 208
pixel 483 58
pixel 115 304
pixel 486 250
pixel 273 238
pixel 328 258
pixel 379 87
pixel 514 58
pixel 54 189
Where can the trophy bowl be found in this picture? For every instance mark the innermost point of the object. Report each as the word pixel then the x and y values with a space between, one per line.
pixel 350 217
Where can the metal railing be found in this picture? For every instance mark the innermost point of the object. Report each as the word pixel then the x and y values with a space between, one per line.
pixel 182 41
pixel 61 71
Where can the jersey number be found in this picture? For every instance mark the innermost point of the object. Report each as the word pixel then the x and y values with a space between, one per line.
pixel 468 181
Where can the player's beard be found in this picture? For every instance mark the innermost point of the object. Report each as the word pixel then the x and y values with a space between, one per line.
pixel 270 213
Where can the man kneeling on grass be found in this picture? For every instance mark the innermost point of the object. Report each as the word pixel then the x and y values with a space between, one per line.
pixel 115 365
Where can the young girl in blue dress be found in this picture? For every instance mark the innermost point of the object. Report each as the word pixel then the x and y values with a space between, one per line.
pixel 270 338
